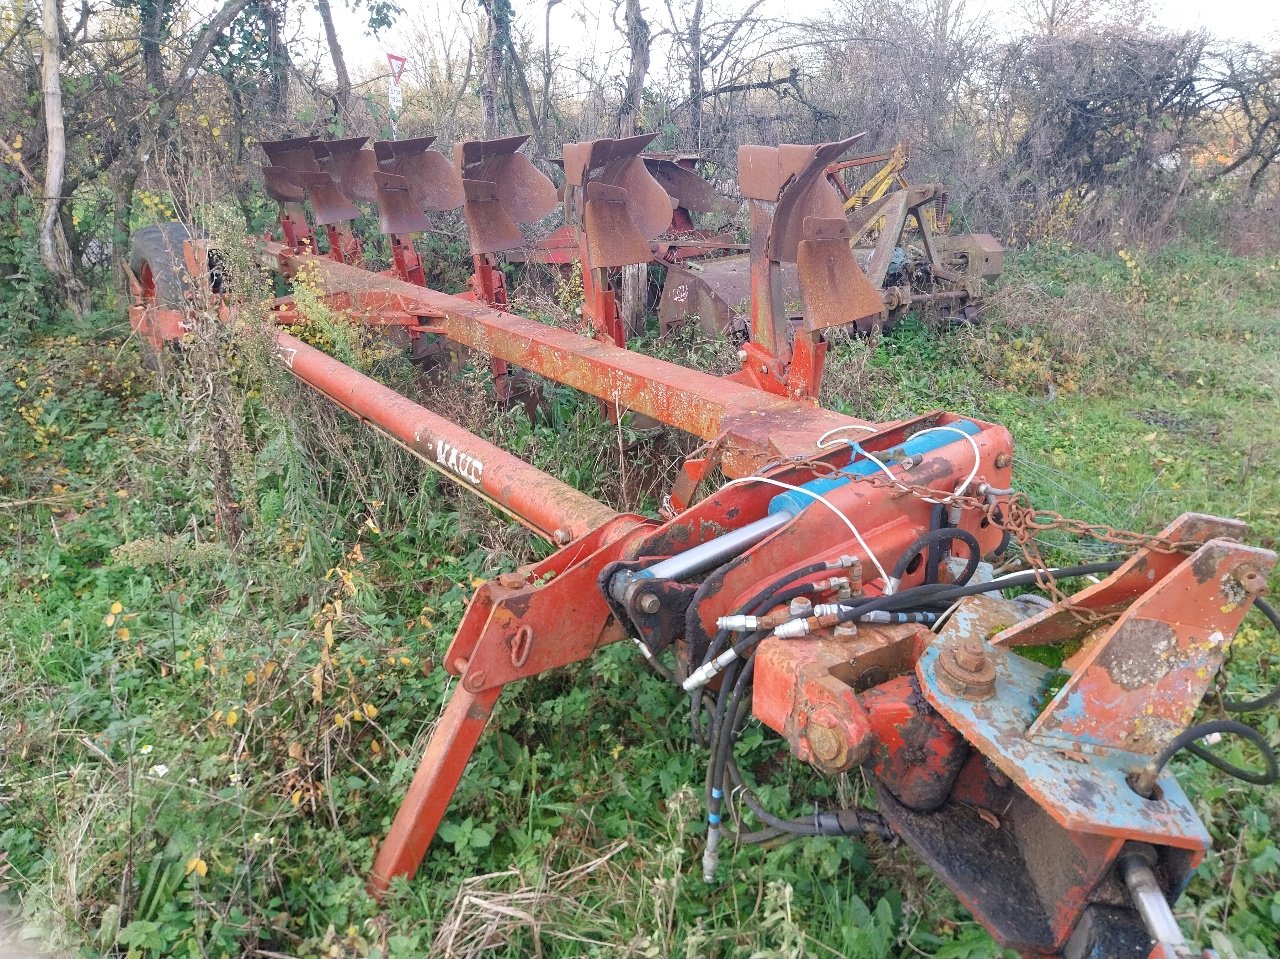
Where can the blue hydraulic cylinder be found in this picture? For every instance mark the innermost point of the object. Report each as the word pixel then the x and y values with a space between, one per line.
pixel 926 441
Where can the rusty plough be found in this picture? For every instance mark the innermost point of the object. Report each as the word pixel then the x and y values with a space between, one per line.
pixel 899 233
pixel 834 588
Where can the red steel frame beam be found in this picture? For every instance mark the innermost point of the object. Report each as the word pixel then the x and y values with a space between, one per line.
pixel 757 426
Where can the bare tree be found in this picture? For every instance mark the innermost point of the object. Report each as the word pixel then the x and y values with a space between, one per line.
pixel 544 105
pixel 497 42
pixel 724 57
pixel 638 39
pixel 441 70
pixel 53 243
pixel 131 146
pixel 1247 111
pixel 342 92
pixel 277 55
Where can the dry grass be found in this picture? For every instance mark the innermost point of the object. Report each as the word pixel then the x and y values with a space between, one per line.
pixel 1255 230
pixel 1075 337
pixel 494 910
pixel 849 381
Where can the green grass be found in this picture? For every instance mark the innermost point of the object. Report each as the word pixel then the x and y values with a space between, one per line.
pixel 205 769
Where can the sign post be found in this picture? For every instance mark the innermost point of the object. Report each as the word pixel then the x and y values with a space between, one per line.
pixel 395 99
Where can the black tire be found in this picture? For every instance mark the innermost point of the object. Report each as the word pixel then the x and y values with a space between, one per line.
pixel 155 257
pixel 157 250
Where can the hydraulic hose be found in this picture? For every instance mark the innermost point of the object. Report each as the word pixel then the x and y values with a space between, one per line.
pixel 936 537
pixel 1145 781
pixel 1268 699
pixel 762 600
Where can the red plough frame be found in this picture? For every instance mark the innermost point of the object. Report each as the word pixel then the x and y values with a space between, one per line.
pixel 804 590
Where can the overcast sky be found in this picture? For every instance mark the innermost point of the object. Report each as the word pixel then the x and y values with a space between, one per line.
pixel 1254 20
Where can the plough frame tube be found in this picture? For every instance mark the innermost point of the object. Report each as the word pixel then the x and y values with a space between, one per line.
pixel 552 509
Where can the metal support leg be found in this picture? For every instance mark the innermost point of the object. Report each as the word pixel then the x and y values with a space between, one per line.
pixel 452 743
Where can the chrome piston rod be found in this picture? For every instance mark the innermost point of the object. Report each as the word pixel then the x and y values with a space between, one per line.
pixel 704 556
pixel 1148 898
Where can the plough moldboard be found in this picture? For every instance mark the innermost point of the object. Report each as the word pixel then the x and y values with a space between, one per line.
pixel 833 588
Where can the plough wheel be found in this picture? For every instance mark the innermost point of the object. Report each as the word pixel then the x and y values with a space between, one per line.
pixel 155 257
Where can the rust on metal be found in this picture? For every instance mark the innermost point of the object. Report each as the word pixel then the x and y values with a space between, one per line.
pixel 675 174
pixel 330 204
pixel 433 179
pixel 836 293
pixel 716 295
pixel 965 668
pixel 350 165
pixel 286 158
pixel 501 189
pixel 805 192
pixel 287 161
pixel 611 234
pixel 761 427
pixel 619 205
pixel 1153 667
pixel 398 210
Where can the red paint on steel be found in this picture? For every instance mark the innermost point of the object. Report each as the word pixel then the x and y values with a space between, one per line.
pixel 406 261
pixel 456 733
pixel 918 754
pixel 550 615
pixel 759 426
pixel 1144 678
pixel 489 286
pixel 543 503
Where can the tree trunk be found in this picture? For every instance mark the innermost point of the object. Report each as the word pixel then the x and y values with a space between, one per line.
pixel 53 242
pixel 124 178
pixel 545 105
pixel 277 58
pixel 695 76
pixel 342 95
pixel 151 20
pixel 521 79
pixel 497 41
pixel 638 35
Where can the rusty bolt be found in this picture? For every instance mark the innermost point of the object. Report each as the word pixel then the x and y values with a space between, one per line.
pixel 800 606
pixel 511 580
pixel 1250 580
pixel 846 631
pixel 970 655
pixel 966 669
pixel 826 743
pixel 562 536
pixel 1003 461
pixel 649 603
